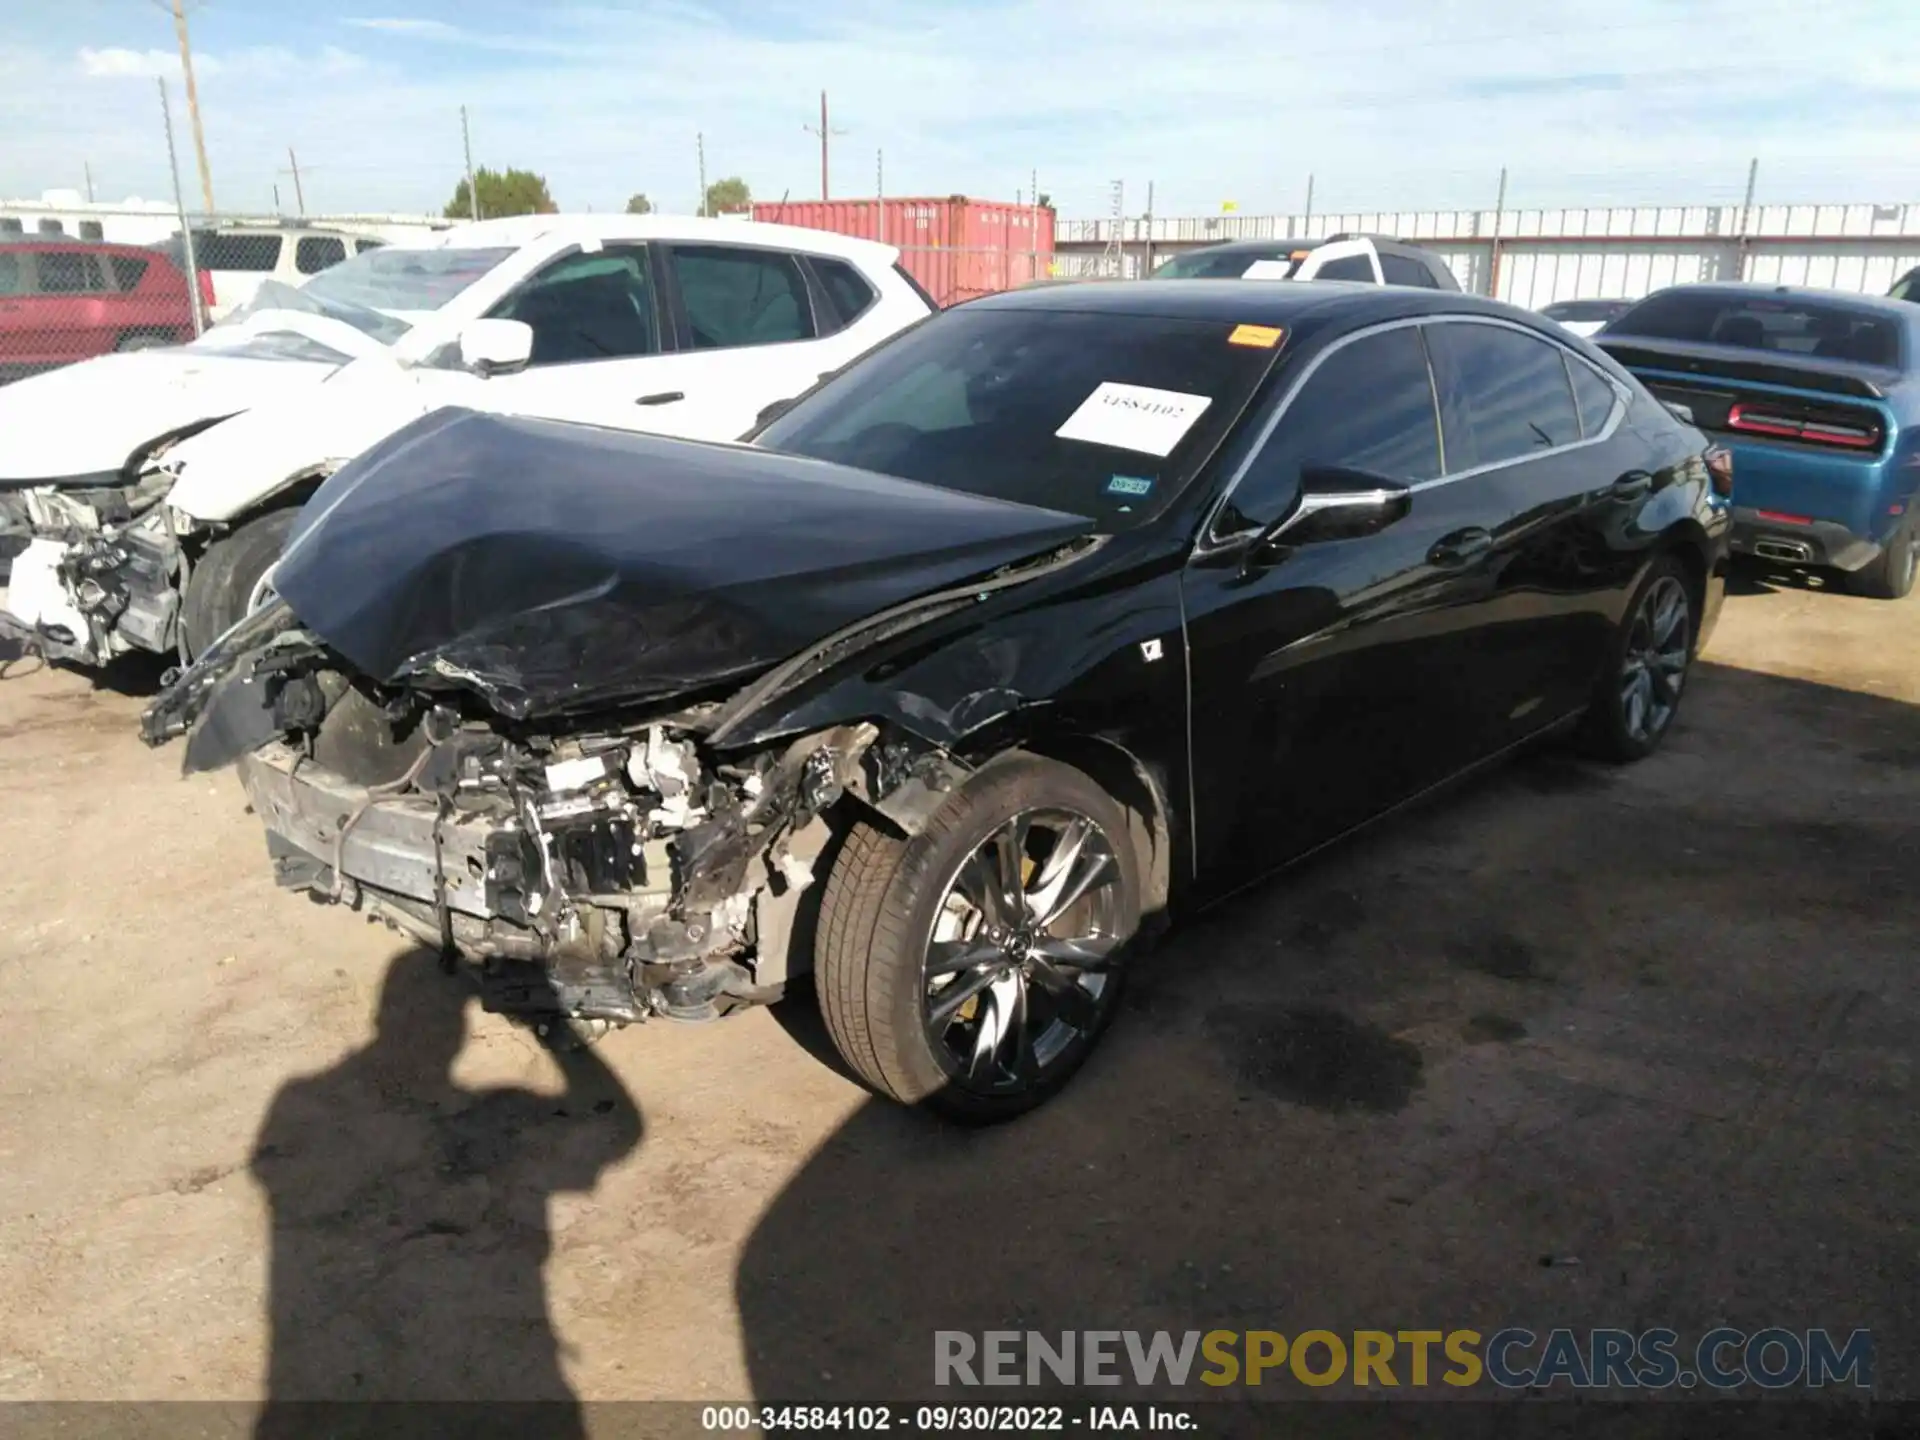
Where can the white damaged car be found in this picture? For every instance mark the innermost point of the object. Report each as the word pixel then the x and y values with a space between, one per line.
pixel 155 490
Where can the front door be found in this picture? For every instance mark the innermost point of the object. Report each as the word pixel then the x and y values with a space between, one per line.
pixel 1333 680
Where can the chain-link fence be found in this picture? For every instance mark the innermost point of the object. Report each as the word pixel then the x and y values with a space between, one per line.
pixel 76 284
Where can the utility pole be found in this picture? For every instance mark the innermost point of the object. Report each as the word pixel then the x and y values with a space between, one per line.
pixel 88 167
pixel 193 102
pixel 1309 216
pixel 880 195
pixel 1114 261
pixel 1499 212
pixel 1146 260
pixel 823 132
pixel 180 208
pixel 700 150
pixel 300 195
pixel 1746 217
pixel 466 146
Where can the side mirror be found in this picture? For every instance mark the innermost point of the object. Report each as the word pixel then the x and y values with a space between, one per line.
pixel 495 347
pixel 1338 503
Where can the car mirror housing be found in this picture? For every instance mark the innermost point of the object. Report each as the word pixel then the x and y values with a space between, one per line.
pixel 496 347
pixel 1339 503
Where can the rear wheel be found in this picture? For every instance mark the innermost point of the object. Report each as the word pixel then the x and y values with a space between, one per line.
pixel 224 581
pixel 974 966
pixel 1639 691
pixel 1890 576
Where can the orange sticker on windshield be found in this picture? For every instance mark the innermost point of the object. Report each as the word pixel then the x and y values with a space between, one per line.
pixel 1261 337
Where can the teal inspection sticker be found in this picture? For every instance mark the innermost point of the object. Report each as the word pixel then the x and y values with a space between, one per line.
pixel 1135 486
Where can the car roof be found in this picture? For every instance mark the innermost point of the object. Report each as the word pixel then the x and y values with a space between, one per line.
pixel 91 247
pixel 526 229
pixel 1255 302
pixel 1903 311
pixel 1250 247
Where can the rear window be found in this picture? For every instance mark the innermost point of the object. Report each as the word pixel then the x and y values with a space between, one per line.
pixel 1105 416
pixel 13 275
pixel 236 252
pixel 127 270
pixel 1228 265
pixel 62 273
pixel 1585 310
pixel 1786 325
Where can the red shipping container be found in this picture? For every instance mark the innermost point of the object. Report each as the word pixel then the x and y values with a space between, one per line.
pixel 955 247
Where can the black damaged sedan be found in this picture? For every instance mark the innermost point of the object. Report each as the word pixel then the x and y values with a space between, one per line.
pixel 1066 610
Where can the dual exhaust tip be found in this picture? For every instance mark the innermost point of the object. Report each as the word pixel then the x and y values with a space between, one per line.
pixel 1797 552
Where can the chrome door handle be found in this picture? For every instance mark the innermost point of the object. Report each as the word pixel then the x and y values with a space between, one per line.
pixel 664 397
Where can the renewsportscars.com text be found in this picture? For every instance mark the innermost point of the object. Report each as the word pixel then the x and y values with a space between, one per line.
pixel 1512 1358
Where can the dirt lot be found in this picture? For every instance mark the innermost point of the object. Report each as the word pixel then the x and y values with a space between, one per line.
pixel 1580 1047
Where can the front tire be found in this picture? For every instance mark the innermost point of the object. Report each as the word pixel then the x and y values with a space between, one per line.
pixel 223 582
pixel 1639 691
pixel 1890 576
pixel 973 967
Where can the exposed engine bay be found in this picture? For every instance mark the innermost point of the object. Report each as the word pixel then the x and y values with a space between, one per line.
pixel 611 874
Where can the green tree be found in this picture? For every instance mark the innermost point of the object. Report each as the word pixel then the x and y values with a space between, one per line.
pixel 1046 201
pixel 502 192
pixel 639 204
pixel 728 195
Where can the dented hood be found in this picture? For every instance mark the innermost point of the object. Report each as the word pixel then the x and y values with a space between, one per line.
pixel 548 566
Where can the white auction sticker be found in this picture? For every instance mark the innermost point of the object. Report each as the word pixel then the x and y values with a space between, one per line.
pixel 1268 270
pixel 1134 417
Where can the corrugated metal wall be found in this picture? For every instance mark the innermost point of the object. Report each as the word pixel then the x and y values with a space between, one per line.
pixel 1547 255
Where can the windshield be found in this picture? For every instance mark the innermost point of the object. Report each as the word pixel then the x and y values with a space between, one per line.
pixel 278 296
pixel 1104 416
pixel 1228 265
pixel 1787 325
pixel 401 279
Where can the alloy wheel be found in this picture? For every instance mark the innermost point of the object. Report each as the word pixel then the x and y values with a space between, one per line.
pixel 1018 971
pixel 1659 646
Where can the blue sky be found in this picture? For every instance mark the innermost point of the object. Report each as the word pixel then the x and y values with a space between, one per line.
pixel 1389 104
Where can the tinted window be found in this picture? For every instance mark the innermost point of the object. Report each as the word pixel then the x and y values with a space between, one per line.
pixel 740 296
pixel 975 400
pixel 1585 310
pixel 1788 324
pixel 1347 267
pixel 1503 394
pixel 315 253
pixel 848 291
pixel 1369 406
pixel 127 270
pixel 1399 270
pixel 1593 395
pixel 62 274
pixel 362 245
pixel 13 275
pixel 588 307
pixel 236 252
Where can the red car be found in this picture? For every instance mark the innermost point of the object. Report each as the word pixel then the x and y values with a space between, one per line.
pixel 67 300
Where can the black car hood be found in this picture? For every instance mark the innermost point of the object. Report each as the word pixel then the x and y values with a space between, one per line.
pixel 550 566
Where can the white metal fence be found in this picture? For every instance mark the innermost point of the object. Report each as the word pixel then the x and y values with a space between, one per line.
pixel 1534 257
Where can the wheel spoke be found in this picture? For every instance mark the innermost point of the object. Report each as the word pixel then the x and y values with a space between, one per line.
pixel 1009 856
pixel 1071 1001
pixel 1056 893
pixel 1090 952
pixel 1067 846
pixel 949 957
pixel 1020 1040
pixel 948 1000
pixel 1636 706
pixel 980 888
pixel 1667 617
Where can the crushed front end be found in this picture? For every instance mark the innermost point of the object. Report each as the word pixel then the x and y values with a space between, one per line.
pixel 99 570
pixel 613 872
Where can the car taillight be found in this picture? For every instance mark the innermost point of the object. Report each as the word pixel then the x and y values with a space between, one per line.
pixel 206 288
pixel 1720 467
pixel 1757 420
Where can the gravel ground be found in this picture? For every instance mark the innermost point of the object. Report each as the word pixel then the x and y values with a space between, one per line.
pixel 1573 1047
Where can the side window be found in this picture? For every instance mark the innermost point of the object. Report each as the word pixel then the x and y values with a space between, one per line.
pixel 127 270
pixel 237 252
pixel 1368 406
pixel 14 279
pixel 66 274
pixel 588 307
pixel 1399 270
pixel 1593 396
pixel 1347 267
pixel 738 296
pixel 1504 395
pixel 366 243
pixel 846 288
pixel 315 253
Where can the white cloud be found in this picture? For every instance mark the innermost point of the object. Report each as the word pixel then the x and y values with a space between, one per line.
pixel 403 25
pixel 115 63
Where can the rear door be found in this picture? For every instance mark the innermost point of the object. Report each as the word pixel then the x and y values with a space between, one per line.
pixel 1334 680
pixel 17 287
pixel 1342 260
pixel 68 316
pixel 1526 450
